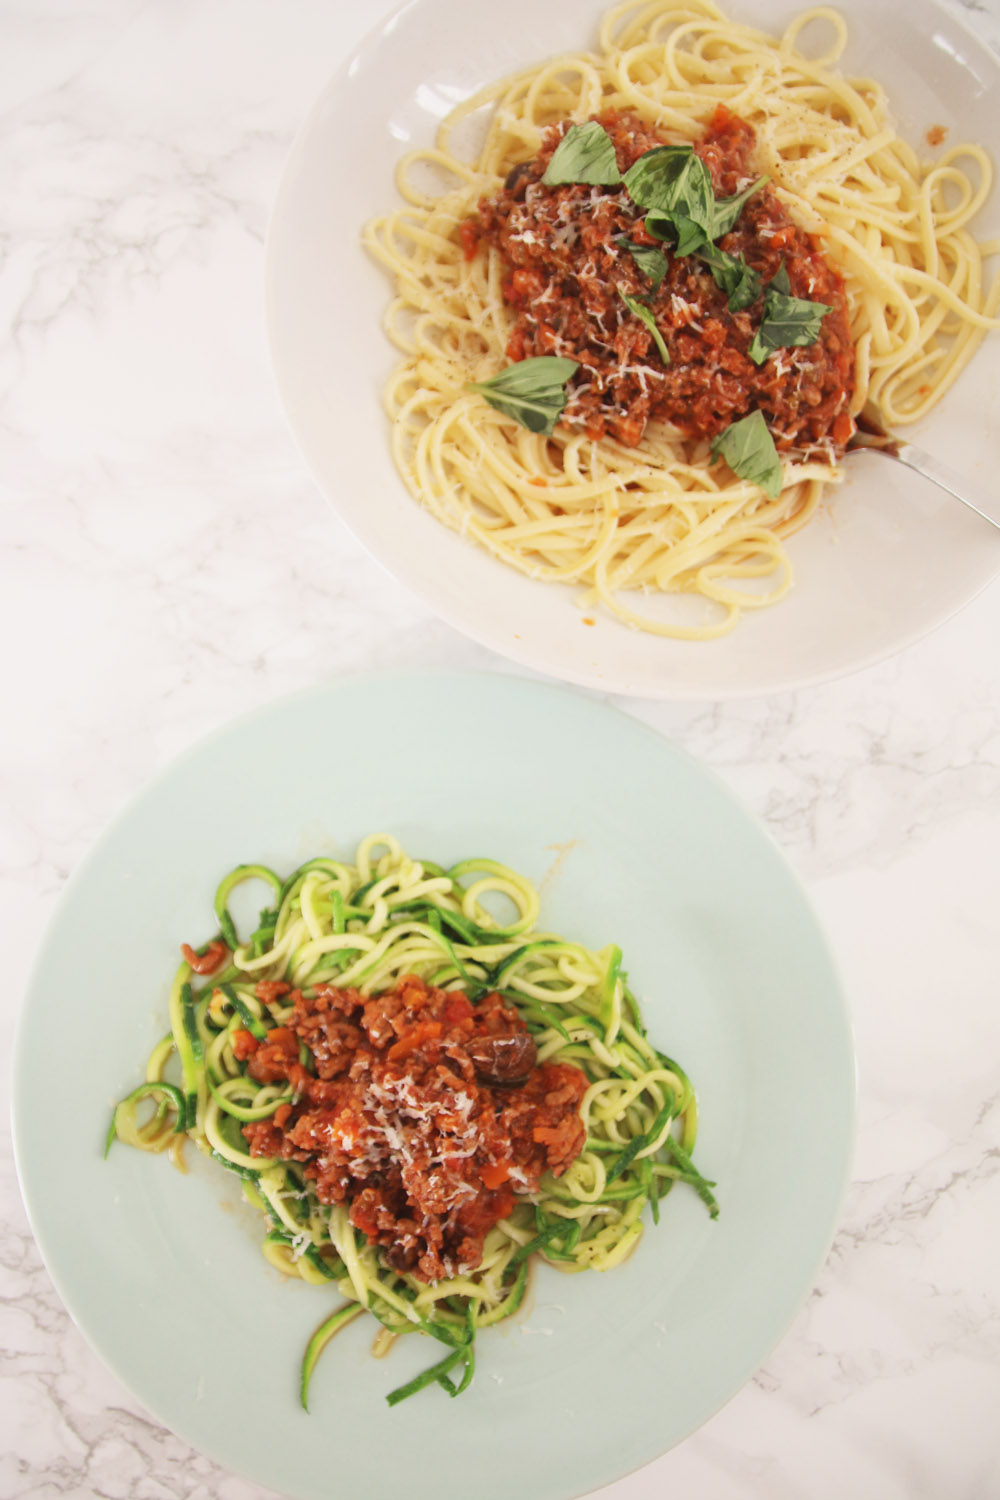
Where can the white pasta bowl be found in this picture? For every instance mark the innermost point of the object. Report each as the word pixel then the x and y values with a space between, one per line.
pixel 887 558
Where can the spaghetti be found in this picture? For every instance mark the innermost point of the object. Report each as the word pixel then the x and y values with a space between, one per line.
pixel 472 1093
pixel 660 517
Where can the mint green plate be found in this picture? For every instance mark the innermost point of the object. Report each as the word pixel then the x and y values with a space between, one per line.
pixel 632 842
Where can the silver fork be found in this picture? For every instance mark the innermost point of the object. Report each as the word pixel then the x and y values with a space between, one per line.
pixel 872 438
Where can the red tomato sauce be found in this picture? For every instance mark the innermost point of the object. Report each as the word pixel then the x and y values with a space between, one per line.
pixel 427 1114
pixel 565 263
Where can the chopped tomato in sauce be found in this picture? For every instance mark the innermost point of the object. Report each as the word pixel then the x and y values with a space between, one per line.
pixel 427 1115
pixel 207 962
pixel 270 991
pixel 566 258
pixel 244 1044
pixel 468 233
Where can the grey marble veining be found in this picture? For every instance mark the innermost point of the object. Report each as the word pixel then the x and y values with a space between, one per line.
pixel 149 595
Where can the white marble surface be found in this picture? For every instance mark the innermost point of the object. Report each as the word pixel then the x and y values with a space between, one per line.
pixel 167 563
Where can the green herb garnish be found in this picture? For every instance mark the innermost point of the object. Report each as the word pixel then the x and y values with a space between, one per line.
pixel 675 188
pixel 748 448
pixel 789 322
pixel 645 315
pixel 728 210
pixel 651 262
pixel 532 391
pixel 674 185
pixel 732 275
pixel 686 234
pixel 585 154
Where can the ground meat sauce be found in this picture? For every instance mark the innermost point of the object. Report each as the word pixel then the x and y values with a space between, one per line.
pixel 565 265
pixel 426 1114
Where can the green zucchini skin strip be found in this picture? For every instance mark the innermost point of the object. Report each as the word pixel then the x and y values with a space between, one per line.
pixel 325 921
pixel 144 1091
pixel 429 1377
pixel 279 1237
pixel 621 1163
pixel 232 1166
pixel 246 1015
pixel 233 879
pixel 691 1174
pixel 186 1040
pixel 611 978
pixel 318 1343
pixel 240 1112
pixel 538 1243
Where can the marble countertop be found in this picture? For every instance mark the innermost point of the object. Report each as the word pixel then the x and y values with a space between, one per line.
pixel 167 563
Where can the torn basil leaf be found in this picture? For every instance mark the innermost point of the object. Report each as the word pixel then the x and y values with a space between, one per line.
pixel 674 186
pixel 789 322
pixel 672 181
pixel 532 391
pixel 585 154
pixel 728 210
pixel 685 235
pixel 645 315
pixel 748 448
pixel 651 262
pixel 690 236
pixel 732 275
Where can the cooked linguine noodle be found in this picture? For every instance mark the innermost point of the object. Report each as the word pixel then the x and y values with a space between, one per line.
pixel 661 518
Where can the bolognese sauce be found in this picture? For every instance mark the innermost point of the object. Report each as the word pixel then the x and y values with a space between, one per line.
pixel 427 1114
pixel 567 262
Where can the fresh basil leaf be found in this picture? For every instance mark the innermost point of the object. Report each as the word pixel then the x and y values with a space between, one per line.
pixel 672 180
pixel 748 448
pixel 528 377
pixel 675 187
pixel 732 275
pixel 537 415
pixel 532 391
pixel 789 322
pixel 585 154
pixel 779 282
pixel 690 236
pixel 683 233
pixel 651 262
pixel 728 210
pixel 661 226
pixel 645 315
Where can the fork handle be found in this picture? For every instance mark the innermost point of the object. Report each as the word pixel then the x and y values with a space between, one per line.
pixel 986 502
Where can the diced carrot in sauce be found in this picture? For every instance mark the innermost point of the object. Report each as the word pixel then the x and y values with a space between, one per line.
pixel 426 1032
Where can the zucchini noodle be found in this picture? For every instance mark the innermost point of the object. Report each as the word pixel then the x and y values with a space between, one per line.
pixel 366 925
pixel 659 519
